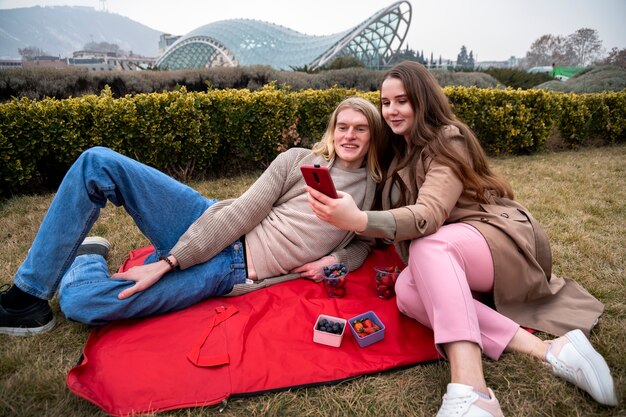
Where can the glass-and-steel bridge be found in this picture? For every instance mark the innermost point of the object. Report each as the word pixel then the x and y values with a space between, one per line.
pixel 245 42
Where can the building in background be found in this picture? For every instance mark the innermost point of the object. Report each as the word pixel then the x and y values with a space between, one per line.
pixel 44 61
pixel 166 40
pixel 89 60
pixel 92 61
pixel 245 42
pixel 10 63
pixel 109 61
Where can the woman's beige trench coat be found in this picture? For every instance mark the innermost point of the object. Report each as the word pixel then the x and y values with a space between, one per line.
pixel 525 289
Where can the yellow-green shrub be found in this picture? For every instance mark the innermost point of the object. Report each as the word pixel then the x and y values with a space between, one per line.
pixel 588 116
pixel 194 133
pixel 250 126
pixel 506 121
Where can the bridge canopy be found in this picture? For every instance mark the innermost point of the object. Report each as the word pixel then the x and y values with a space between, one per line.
pixel 245 42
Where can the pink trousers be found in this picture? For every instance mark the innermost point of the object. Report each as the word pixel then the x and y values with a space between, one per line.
pixel 436 288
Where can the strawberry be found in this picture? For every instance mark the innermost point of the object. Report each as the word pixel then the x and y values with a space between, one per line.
pixel 369 330
pixel 387 279
pixel 358 326
pixel 367 323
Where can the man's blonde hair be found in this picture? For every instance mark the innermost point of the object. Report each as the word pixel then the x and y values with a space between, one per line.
pixel 326 146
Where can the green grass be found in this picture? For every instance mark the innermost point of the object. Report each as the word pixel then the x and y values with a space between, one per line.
pixel 580 198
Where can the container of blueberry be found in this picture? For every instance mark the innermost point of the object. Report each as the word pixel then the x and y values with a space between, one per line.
pixel 367 328
pixel 328 330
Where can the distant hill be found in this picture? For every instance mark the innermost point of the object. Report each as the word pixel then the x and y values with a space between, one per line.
pixel 590 80
pixel 61 30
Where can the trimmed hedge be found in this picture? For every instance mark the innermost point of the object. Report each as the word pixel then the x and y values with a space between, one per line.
pixel 507 121
pixel 192 134
pixel 40 83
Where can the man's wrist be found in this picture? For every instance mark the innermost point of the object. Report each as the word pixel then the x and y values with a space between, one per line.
pixel 170 261
pixel 361 222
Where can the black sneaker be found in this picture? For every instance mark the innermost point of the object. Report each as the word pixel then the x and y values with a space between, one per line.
pixel 95 245
pixel 35 319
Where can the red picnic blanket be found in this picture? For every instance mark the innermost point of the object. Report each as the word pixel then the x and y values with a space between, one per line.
pixel 258 342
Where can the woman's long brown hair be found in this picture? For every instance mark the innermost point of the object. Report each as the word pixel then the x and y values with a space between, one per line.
pixel 432 113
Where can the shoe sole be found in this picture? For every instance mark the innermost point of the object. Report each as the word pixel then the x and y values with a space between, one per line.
pixel 28 331
pixel 95 245
pixel 97 240
pixel 598 366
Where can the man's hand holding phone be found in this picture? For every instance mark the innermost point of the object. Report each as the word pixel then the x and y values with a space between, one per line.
pixel 318 177
pixel 336 208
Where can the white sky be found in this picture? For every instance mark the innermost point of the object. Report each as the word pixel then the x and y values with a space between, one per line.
pixel 492 29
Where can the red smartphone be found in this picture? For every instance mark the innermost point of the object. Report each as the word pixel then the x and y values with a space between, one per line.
pixel 318 177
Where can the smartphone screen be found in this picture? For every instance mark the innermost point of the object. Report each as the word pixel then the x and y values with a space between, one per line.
pixel 318 177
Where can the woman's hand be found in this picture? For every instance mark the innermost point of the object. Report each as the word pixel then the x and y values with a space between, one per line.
pixel 341 212
pixel 315 270
pixel 144 277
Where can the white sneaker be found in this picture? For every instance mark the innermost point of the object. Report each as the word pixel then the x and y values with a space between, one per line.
pixel 574 359
pixel 462 400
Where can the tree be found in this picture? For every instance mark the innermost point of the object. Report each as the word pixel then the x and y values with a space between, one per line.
pixel 461 58
pixel 464 60
pixel 616 57
pixel 405 55
pixel 586 45
pixel 581 48
pixel 304 68
pixel 548 50
pixel 346 61
pixel 540 52
pixel 30 52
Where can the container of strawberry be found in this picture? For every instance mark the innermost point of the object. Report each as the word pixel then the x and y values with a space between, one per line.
pixel 386 277
pixel 367 328
pixel 335 280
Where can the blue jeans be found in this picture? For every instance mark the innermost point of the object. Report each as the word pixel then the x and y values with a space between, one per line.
pixel 161 207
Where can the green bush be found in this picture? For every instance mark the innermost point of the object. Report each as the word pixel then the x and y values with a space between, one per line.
pixel 506 121
pixel 464 78
pixel 585 117
pixel 192 134
pixel 39 83
pixel 516 78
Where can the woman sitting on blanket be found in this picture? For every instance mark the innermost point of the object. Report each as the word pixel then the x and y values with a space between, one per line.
pixel 203 247
pixel 464 240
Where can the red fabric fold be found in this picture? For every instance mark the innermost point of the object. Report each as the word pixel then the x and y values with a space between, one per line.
pixel 195 356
